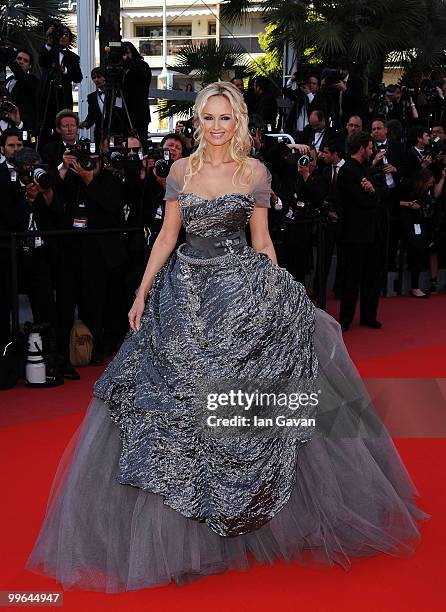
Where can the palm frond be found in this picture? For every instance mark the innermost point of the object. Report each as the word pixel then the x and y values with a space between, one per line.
pixel 234 11
pixel 171 108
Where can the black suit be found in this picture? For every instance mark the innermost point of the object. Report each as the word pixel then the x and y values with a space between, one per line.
pixel 396 156
pixel 352 100
pixel 87 263
pixel 24 96
pixel 94 117
pixel 56 86
pixel 266 107
pixel 325 136
pixel 34 263
pixel 300 100
pixel 135 88
pixel 413 161
pixel 52 153
pixel 361 243
pixel 332 227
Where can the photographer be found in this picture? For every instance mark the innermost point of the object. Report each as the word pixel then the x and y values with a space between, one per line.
pixel 343 92
pixel 10 117
pixel 61 68
pixel 67 128
pixel 185 129
pixel 332 156
pixel 12 218
pixel 29 207
pixel 96 105
pixel 22 87
pixel 10 142
pixel 302 191
pixel 400 105
pixel 316 134
pixel 90 197
pixel 306 98
pixel 432 100
pixel 135 88
pixel 361 235
pixel 145 186
pixel 388 167
pixel 419 155
pixel 417 208
pixel 265 101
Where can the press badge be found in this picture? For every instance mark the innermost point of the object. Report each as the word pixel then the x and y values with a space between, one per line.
pixel 80 222
pixel 417 228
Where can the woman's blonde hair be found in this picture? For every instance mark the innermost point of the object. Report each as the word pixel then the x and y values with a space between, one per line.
pixel 241 143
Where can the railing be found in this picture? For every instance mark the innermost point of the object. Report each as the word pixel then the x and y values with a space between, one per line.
pixel 14 238
pixel 249 43
pixel 153 46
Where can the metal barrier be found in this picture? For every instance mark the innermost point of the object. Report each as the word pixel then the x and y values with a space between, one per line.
pixel 14 237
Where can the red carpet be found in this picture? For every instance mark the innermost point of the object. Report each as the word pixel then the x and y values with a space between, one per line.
pixel 37 424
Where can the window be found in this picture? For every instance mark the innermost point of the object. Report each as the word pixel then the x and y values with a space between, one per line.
pixel 212 29
pixel 155 30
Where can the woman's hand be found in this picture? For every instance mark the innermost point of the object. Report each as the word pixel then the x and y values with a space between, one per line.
pixel 136 312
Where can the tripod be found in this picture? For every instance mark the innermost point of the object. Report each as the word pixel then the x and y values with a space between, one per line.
pixel 113 91
pixel 55 92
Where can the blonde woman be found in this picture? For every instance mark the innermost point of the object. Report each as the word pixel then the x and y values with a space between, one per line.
pixel 157 489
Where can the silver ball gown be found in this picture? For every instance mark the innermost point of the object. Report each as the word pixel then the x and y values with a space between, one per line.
pixel 142 498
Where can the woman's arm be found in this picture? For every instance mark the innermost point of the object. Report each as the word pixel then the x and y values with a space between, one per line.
pixel 438 189
pixel 260 238
pixel 161 250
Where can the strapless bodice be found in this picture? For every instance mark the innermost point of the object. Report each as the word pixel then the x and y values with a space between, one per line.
pixel 219 216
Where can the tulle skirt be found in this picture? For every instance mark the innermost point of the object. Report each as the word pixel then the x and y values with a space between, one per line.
pixel 352 498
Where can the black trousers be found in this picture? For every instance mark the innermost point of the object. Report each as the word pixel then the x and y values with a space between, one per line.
pixel 331 240
pixel 361 274
pixel 36 281
pixel 298 242
pixel 5 295
pixel 82 281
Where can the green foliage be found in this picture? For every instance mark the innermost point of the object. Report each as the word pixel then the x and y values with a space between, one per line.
pixel 209 62
pixel 368 32
pixel 271 64
pixel 21 21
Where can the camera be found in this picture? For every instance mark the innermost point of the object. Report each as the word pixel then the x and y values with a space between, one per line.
pixel 39 174
pixel 331 77
pixel 252 129
pixel 6 107
pixel 304 160
pixel 7 53
pixel 82 151
pixel 59 30
pixel 114 62
pixel 163 165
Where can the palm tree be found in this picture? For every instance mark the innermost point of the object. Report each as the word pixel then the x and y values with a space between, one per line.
pixel 22 21
pixel 207 61
pixel 365 31
pixel 109 24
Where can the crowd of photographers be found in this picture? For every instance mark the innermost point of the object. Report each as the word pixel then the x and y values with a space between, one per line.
pixel 365 171
pixel 364 177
